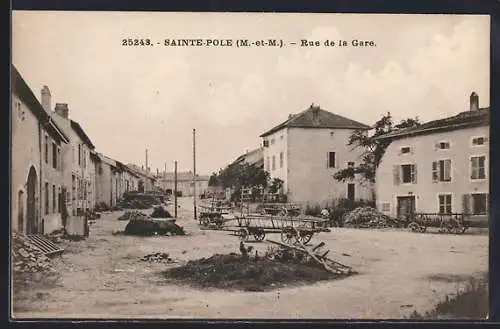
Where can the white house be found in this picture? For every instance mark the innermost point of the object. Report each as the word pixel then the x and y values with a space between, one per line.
pixel 438 167
pixel 306 150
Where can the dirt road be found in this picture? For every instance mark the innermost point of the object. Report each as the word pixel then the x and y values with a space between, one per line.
pixel 103 277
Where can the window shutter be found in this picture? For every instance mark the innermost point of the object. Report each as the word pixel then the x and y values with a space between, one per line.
pixel 434 171
pixel 327 159
pixel 415 174
pixel 395 172
pixel 337 163
pixel 466 204
pixel 447 170
pixel 485 140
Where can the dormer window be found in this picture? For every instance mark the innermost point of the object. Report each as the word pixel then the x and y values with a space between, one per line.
pixel 405 150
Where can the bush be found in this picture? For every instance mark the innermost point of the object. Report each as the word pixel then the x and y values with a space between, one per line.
pixel 342 206
pixel 313 210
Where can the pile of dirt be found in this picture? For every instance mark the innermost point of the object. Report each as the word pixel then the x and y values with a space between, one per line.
pixel 241 272
pixel 150 227
pixel 159 257
pixel 160 212
pixel 26 257
pixel 134 214
pixel 369 217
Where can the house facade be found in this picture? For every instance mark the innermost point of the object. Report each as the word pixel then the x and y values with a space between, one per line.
pixel 146 180
pixel 185 183
pixel 80 176
pixel 37 166
pixel 438 167
pixel 305 152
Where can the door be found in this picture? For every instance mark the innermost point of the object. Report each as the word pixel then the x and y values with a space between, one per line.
pixel 406 206
pixel 20 211
pixel 31 214
pixel 63 207
pixel 351 191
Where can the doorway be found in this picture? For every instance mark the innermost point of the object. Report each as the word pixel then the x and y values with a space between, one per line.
pixel 351 191
pixel 31 214
pixel 20 211
pixel 406 206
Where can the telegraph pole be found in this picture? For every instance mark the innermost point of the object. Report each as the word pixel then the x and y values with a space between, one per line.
pixel 175 189
pixel 194 174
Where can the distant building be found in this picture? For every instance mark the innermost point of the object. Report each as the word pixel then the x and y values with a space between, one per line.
pixel 254 157
pixel 185 183
pixel 37 172
pixel 146 181
pixel 306 150
pixel 441 166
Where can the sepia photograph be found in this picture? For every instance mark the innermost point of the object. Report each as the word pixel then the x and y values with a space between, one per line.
pixel 209 165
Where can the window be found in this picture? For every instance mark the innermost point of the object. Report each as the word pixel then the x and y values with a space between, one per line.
pixel 441 171
pixel 386 207
pixel 478 167
pixel 331 159
pixel 46 151
pixel 478 141
pixel 47 198
pixel 281 160
pixel 54 199
pixel 79 154
pixel 274 162
pixel 443 145
pixel 351 191
pixel 445 204
pixel 479 204
pixel 408 173
pixel 350 164
pixel 266 143
pixel 405 149
pixel 59 160
pixel 54 155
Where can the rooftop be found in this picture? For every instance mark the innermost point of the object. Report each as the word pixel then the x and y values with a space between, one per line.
pixel 315 117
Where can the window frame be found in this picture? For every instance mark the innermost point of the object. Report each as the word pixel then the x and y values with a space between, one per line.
pixel 413 179
pixel 330 166
pixel 485 141
pixel 485 168
pixel 445 195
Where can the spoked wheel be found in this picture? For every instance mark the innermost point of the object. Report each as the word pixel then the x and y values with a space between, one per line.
pixel 413 227
pixel 243 234
pixel 289 235
pixel 305 236
pixel 259 234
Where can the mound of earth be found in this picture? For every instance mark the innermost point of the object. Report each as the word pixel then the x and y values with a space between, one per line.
pixel 235 271
pixel 150 227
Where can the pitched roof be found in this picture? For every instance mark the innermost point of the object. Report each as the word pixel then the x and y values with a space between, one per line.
pixel 182 176
pixel 81 133
pixel 139 171
pixel 467 119
pixel 315 117
pixel 245 157
pixel 21 88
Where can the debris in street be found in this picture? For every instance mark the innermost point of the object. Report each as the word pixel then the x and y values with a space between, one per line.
pixel 133 214
pixel 251 272
pixel 159 257
pixel 27 256
pixel 160 212
pixel 149 227
pixel 369 217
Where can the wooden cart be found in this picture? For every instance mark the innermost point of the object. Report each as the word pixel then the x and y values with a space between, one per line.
pixel 446 223
pixel 211 215
pixel 292 229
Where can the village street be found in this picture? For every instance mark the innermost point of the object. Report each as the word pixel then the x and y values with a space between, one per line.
pixel 399 271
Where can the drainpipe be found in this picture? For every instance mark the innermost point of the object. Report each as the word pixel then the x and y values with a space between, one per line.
pixel 40 172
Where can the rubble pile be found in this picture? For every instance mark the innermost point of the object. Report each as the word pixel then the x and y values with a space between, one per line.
pixel 134 214
pixel 26 257
pixel 369 217
pixel 159 257
pixel 149 227
pixel 160 212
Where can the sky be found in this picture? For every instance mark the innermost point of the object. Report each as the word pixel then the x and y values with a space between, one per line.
pixel 129 99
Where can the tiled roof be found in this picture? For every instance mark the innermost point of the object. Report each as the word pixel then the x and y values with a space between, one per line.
pixel 480 117
pixel 245 157
pixel 21 88
pixel 315 117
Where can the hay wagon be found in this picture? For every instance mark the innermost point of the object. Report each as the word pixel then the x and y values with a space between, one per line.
pixel 292 229
pixel 446 223
pixel 280 209
pixel 212 215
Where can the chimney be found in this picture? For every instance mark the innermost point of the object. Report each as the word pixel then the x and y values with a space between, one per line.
pixel 474 101
pixel 62 110
pixel 46 99
pixel 315 114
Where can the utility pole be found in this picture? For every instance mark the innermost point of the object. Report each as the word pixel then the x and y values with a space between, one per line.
pixel 194 174
pixel 175 189
pixel 147 168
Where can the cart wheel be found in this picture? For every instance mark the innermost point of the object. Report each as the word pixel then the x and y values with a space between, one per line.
pixel 304 236
pixel 243 234
pixel 423 229
pixel 259 235
pixel 413 227
pixel 458 230
pixel 289 235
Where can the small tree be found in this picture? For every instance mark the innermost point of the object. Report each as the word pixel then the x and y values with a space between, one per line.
pixel 276 185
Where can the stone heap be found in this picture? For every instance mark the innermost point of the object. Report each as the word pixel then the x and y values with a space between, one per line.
pixel 26 257
pixel 159 257
pixel 367 216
